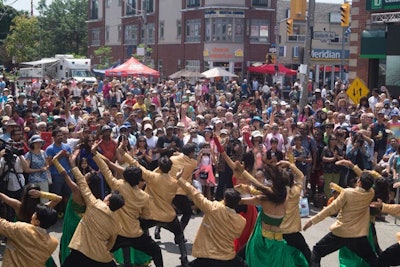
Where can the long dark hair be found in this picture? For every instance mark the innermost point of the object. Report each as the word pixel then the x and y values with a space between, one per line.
pixel 280 179
pixel 126 138
pixel 28 204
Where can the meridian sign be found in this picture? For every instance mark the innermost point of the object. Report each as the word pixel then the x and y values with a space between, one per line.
pixel 382 4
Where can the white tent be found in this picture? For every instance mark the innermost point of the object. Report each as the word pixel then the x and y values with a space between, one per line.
pixel 218 72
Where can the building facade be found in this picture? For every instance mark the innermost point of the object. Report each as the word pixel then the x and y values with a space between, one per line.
pixel 375 53
pixel 193 34
pixel 328 53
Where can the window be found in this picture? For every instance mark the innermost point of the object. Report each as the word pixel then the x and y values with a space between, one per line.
pixel 119 29
pixel 263 3
pixel 193 31
pixel 107 33
pixel 130 7
pixel 108 3
pixel 95 36
pixel 259 31
pixel 94 9
pixel 131 32
pixel 162 25
pixel 178 29
pixel 151 33
pixel 193 65
pixel 148 6
pixel 119 2
pixel 338 39
pixel 192 3
pixel 224 30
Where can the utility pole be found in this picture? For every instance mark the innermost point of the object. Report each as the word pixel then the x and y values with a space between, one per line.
pixel 307 52
pixel 145 29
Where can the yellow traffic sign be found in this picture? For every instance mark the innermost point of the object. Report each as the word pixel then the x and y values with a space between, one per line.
pixel 357 90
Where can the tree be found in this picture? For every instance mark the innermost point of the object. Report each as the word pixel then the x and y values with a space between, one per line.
pixel 23 43
pixel 63 26
pixel 7 14
pixel 104 55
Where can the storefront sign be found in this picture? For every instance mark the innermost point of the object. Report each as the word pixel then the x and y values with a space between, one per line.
pixel 382 4
pixel 328 54
pixel 227 52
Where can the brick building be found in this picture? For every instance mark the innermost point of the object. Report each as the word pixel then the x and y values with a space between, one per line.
pixel 192 34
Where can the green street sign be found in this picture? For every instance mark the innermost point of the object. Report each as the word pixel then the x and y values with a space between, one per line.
pixel 375 5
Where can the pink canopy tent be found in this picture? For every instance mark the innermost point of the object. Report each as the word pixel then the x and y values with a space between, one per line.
pixel 132 67
pixel 270 69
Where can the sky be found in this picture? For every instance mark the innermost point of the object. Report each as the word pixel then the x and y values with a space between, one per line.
pixel 26 4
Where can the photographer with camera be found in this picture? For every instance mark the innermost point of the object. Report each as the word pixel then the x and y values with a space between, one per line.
pixel 12 178
pixel 359 150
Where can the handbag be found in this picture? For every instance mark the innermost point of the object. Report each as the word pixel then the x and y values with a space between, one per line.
pixel 203 175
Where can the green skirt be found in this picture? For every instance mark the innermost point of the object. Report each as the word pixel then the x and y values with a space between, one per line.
pixel 72 216
pixel 348 258
pixel 137 257
pixel 261 251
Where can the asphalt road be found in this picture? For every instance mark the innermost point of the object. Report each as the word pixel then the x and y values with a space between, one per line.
pixel 386 236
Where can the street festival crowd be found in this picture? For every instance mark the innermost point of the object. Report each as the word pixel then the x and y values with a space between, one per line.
pixel 120 156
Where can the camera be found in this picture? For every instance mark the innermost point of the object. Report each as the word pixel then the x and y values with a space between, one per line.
pixel 12 150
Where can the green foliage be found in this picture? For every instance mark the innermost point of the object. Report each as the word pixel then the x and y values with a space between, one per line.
pixel 103 53
pixel 63 27
pixel 23 41
pixel 7 14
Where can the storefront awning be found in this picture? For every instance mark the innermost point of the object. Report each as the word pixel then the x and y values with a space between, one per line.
pixel 373 44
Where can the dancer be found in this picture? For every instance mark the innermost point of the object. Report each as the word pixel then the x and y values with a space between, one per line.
pixel 381 188
pixel 266 244
pixel 352 223
pixel 181 201
pixel 162 189
pixel 76 204
pixel 24 209
pixel 390 256
pixel 213 246
pixel 29 244
pixel 291 224
pixel 97 230
pixel 136 205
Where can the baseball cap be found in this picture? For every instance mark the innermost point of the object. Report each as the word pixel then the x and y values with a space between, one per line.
pixel 148 126
pixel 105 128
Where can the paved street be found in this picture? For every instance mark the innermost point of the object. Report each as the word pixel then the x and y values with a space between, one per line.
pixel 386 235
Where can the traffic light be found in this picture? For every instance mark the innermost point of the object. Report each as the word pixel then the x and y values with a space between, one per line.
pixel 289 26
pixel 345 14
pixel 298 9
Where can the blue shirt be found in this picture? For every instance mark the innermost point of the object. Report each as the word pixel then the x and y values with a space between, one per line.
pixel 52 150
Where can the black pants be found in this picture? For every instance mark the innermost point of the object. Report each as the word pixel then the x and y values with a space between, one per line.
pixel 76 258
pixel 174 227
pixel 297 240
pixel 224 182
pixel 143 243
pixel 183 203
pixel 390 256
pixel 202 262
pixel 331 243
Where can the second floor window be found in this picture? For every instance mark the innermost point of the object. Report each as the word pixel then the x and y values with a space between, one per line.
pixel 259 31
pixel 131 32
pixel 224 30
pixel 193 31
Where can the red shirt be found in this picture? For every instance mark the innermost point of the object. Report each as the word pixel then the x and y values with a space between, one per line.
pixel 107 148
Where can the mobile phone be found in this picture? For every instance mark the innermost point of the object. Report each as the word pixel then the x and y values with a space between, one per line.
pixel 207 150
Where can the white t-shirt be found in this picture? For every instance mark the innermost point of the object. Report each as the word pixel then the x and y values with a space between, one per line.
pixel 151 144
